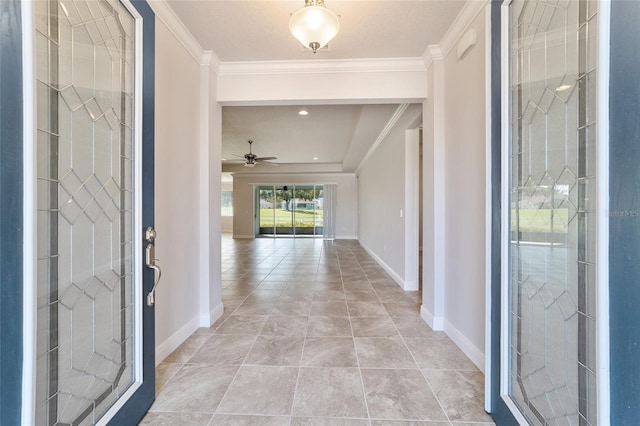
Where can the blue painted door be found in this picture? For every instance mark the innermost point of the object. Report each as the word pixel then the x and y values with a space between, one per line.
pixel 76 228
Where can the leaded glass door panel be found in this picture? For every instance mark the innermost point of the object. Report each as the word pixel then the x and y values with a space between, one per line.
pixel 551 245
pixel 92 335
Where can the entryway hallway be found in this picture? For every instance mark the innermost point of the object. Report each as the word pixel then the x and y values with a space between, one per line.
pixel 315 333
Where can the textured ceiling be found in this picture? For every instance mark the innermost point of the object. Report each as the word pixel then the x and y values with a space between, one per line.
pixel 239 30
pixel 339 136
pixel 329 133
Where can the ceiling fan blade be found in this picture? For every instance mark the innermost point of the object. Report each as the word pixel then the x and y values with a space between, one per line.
pixel 266 158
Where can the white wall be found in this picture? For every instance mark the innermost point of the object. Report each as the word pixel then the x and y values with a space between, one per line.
pixel 346 202
pixel 381 195
pixel 177 138
pixel 454 189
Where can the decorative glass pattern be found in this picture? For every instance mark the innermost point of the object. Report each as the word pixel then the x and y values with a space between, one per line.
pixel 553 48
pixel 85 151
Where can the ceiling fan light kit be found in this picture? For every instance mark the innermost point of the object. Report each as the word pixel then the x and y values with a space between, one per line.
pixel 252 159
pixel 314 25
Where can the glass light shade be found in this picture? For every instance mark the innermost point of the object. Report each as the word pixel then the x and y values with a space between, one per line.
pixel 314 24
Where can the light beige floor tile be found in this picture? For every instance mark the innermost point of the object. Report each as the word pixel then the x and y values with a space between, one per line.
pixel 268 285
pixel 285 326
pixel 416 328
pixel 329 309
pixel 393 294
pixel 407 423
pixel 172 419
pixel 461 394
pixel 238 293
pixel 243 324
pixel 335 392
pixel 373 327
pixel 292 307
pixel 297 293
pixel 187 349
pixel 403 309
pixel 164 372
pixel 261 390
pixel 439 354
pixel 327 421
pixel 383 352
pixel 400 395
pixel 276 350
pixel 329 327
pixel 255 307
pixel 224 349
pixel 366 309
pixel 231 420
pixel 265 294
pixel 329 352
pixel 367 295
pixel 195 388
pixel 329 296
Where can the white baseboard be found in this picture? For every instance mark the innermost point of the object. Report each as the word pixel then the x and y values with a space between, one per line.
pixel 470 350
pixel 436 323
pixel 411 286
pixel 207 320
pixel 165 348
pixel 397 278
pixel 244 236
pixel 345 237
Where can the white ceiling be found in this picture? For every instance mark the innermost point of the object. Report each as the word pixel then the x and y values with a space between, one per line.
pixel 250 30
pixel 257 30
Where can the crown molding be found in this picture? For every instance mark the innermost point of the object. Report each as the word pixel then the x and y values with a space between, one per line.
pixel 469 12
pixel 165 13
pixel 209 59
pixel 322 66
pixel 383 134
pixel 433 53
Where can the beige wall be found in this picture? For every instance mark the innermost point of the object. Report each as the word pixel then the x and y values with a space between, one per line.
pixel 177 184
pixel 346 203
pixel 187 181
pixel 454 195
pixel 381 196
pixel 465 137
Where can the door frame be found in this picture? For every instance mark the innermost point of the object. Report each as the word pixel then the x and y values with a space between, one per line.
pixel 11 211
pixel 22 409
pixel 624 205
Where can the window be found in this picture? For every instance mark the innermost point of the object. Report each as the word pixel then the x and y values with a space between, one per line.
pixel 227 203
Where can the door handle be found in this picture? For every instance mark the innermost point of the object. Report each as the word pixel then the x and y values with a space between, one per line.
pixel 150 260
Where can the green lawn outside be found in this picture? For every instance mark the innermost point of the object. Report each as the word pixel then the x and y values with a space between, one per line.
pixel 539 220
pixel 304 218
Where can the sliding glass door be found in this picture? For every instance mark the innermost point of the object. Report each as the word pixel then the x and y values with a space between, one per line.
pixel 289 211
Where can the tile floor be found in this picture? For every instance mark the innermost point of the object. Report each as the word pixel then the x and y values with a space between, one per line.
pixel 315 333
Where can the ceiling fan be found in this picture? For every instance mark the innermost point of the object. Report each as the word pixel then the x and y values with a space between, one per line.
pixel 252 159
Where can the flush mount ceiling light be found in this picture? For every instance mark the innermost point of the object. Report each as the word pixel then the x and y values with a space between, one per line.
pixel 314 25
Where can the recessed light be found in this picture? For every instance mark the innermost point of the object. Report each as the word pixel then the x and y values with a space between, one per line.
pixel 315 158
pixel 563 88
pixel 303 112
pixel 224 159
